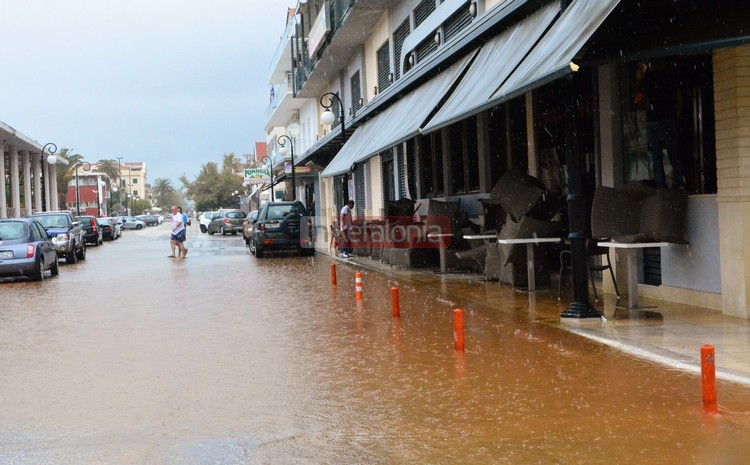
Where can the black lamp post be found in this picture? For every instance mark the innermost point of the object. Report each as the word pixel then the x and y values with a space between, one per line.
pixel 266 160
pixel 51 159
pixel 282 140
pixel 577 216
pixel 328 117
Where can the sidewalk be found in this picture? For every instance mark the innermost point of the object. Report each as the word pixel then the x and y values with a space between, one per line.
pixel 669 334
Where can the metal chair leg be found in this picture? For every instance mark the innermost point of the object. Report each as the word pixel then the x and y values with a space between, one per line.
pixel 612 274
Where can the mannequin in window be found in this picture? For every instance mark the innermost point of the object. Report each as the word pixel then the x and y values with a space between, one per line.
pixel 658 90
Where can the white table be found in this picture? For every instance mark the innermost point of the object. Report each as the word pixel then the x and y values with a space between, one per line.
pixel 632 264
pixel 441 249
pixel 530 243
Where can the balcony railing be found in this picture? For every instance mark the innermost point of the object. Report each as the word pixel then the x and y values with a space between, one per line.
pixel 337 11
pixel 283 44
pixel 279 92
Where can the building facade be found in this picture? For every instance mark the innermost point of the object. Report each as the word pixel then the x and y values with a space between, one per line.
pixel 133 183
pixel 440 98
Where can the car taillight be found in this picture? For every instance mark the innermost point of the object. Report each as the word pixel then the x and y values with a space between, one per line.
pixel 226 220
pixel 30 249
pixel 93 225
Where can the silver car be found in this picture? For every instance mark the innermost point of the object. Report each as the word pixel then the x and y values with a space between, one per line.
pixel 131 222
pixel 26 249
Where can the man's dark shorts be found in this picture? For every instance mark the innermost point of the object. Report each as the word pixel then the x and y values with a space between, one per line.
pixel 179 237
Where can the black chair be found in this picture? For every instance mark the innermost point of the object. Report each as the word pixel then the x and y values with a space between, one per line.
pixel 592 251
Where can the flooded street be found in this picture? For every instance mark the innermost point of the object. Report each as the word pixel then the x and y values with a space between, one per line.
pixel 133 358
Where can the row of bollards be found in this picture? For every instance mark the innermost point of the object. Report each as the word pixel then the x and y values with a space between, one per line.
pixel 458 314
pixel 708 357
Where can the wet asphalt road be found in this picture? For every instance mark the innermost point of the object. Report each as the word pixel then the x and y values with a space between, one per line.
pixel 134 358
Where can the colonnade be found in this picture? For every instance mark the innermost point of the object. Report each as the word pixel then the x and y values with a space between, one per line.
pixel 28 183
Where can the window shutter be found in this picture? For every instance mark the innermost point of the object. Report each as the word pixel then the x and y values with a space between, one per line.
pixel 384 66
pixel 457 22
pixel 422 11
pixel 359 187
pixel 401 170
pixel 356 86
pixel 425 48
pixel 399 36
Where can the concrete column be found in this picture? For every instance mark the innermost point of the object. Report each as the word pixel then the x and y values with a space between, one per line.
pixel 732 100
pixel 37 166
pixel 531 136
pixel 26 172
pixel 53 197
pixel 3 199
pixel 15 187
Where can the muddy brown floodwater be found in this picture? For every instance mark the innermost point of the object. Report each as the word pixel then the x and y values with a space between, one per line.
pixel 133 358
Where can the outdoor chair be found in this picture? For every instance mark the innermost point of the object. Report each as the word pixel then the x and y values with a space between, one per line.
pixel 593 251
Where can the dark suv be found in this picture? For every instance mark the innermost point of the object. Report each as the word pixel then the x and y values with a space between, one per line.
pixel 277 227
pixel 66 233
pixel 92 231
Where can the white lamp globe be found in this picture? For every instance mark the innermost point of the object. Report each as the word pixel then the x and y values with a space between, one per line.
pixel 52 160
pixel 283 151
pixel 328 117
pixel 293 130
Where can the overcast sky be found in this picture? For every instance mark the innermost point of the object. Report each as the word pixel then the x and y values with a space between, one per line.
pixel 174 83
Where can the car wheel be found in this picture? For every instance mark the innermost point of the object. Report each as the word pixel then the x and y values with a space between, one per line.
pixel 259 253
pixel 223 231
pixel 210 233
pixel 138 226
pixel 71 257
pixel 101 240
pixel 82 253
pixel 55 268
pixel 203 229
pixel 38 274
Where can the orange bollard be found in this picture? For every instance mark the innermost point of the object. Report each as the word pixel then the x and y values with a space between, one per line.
pixel 458 329
pixel 333 274
pixel 708 376
pixel 358 285
pixel 394 303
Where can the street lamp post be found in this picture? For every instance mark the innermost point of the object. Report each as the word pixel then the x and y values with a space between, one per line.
pixel 78 193
pixel 266 160
pixel 328 117
pixel 51 160
pixel 293 131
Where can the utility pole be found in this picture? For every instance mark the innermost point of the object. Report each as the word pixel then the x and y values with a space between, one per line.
pixel 119 177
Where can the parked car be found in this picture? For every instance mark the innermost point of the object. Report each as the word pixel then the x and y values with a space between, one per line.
pixel 227 221
pixel 150 220
pixel 92 231
pixel 110 229
pixel 26 249
pixel 66 234
pixel 131 222
pixel 204 219
pixel 277 227
pixel 247 226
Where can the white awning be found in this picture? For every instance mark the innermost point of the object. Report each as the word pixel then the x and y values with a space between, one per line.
pixel 494 64
pixel 397 123
pixel 551 57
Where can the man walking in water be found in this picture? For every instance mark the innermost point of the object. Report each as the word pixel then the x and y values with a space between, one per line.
pixel 346 225
pixel 178 233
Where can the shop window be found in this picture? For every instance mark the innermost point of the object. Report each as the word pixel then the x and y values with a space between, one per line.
pixel 389 189
pixel 668 123
pixel 431 165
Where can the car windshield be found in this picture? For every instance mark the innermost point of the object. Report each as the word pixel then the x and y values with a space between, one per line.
pixel 235 215
pixel 10 231
pixel 105 222
pixel 278 212
pixel 52 221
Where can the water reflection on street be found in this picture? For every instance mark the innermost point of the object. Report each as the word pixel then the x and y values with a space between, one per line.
pixel 134 358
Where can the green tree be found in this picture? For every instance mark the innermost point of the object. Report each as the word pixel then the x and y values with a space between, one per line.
pixel 164 192
pixel 141 206
pixel 213 189
pixel 65 173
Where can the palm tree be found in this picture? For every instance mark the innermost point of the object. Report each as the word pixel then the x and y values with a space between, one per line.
pixel 66 173
pixel 109 167
pixel 163 191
